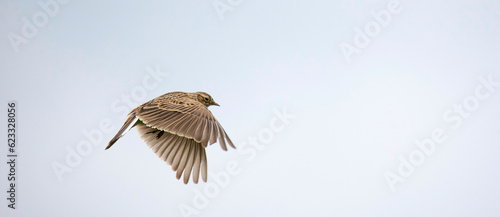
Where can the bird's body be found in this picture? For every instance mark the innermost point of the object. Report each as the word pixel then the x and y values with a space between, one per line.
pixel 178 127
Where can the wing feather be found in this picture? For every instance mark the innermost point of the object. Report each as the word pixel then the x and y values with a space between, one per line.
pixel 167 146
pixel 204 165
pixel 222 139
pixel 228 139
pixel 182 149
pixel 198 134
pixel 190 162
pixel 184 128
pixel 197 162
pixel 186 156
pixel 174 150
pixel 184 159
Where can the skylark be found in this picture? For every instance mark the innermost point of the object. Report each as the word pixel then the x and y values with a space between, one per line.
pixel 178 127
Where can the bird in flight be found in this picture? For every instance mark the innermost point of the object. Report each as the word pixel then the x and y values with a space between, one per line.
pixel 178 126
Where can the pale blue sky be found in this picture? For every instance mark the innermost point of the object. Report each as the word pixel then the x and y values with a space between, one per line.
pixel 353 119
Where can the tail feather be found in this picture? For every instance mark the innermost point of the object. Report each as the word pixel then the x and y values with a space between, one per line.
pixel 129 123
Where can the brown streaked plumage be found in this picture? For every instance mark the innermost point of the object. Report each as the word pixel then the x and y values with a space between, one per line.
pixel 178 127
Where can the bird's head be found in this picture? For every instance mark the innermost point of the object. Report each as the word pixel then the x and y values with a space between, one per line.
pixel 205 99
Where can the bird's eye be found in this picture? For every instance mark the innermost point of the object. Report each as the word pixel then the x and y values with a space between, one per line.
pixel 207 99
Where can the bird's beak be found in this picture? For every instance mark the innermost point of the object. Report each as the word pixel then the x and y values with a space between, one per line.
pixel 214 103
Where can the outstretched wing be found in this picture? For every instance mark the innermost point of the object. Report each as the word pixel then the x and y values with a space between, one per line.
pixel 183 116
pixel 183 154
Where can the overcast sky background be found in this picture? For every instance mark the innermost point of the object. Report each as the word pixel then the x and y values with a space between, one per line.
pixel 352 119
